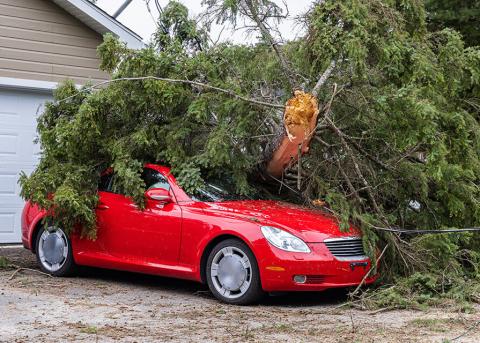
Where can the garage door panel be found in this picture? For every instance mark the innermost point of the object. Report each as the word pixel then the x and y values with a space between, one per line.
pixel 8 143
pixel 9 187
pixel 8 184
pixel 7 221
pixel 8 117
pixel 18 113
pixel 16 119
pixel 17 146
pixel 15 110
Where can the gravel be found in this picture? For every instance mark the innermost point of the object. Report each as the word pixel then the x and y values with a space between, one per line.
pixel 110 306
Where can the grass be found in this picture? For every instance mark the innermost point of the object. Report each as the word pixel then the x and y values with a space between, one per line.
pixel 439 324
pixel 93 330
pixel 4 262
pixel 431 323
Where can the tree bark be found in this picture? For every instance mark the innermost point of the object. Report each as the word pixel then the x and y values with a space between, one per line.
pixel 300 120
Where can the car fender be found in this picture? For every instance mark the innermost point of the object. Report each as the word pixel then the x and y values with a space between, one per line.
pixel 32 226
pixel 246 235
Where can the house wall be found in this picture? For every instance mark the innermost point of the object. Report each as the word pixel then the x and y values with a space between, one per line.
pixel 41 41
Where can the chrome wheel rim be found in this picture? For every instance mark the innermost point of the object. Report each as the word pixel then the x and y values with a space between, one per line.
pixel 231 272
pixel 53 249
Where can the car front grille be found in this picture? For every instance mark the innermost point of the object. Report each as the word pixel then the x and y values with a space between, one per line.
pixel 346 248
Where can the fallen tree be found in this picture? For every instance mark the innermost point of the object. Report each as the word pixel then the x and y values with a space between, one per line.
pixel 368 114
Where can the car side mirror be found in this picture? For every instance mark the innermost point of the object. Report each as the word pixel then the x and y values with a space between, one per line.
pixel 159 194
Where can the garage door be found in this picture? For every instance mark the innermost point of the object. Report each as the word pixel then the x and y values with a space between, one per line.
pixel 18 112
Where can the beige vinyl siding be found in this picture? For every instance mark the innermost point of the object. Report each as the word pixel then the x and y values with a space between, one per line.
pixel 40 41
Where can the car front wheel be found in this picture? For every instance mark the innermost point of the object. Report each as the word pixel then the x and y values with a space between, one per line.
pixel 232 273
pixel 54 252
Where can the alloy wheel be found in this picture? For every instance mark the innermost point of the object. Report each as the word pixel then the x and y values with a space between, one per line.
pixel 53 249
pixel 231 272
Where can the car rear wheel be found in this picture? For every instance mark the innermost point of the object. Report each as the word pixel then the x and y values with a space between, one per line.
pixel 232 273
pixel 54 252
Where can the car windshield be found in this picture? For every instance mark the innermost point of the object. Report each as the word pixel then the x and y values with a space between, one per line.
pixel 214 190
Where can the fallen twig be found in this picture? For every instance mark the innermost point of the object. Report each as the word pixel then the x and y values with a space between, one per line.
pixel 351 320
pixel 470 329
pixel 380 310
pixel 350 303
pixel 368 273
pixel 19 269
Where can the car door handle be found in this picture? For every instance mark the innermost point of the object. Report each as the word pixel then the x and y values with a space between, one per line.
pixel 102 207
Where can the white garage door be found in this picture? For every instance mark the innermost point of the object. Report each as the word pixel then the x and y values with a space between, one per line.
pixel 18 112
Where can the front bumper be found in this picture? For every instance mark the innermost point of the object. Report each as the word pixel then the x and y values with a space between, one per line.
pixel 322 270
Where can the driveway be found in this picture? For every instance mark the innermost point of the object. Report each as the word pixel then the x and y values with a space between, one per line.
pixel 109 306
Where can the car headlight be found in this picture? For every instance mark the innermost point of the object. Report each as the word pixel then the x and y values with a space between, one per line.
pixel 283 240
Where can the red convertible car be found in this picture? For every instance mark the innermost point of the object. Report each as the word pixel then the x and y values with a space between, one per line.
pixel 240 248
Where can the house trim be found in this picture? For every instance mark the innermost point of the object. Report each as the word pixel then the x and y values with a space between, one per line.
pixel 100 21
pixel 33 85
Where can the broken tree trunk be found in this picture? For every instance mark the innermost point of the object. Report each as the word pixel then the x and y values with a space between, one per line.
pixel 300 120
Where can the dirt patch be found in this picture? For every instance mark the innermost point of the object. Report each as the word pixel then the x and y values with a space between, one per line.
pixel 108 306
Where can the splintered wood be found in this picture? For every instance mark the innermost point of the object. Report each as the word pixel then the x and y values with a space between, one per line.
pixel 300 120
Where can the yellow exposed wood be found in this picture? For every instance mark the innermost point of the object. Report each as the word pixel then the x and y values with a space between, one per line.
pixel 300 120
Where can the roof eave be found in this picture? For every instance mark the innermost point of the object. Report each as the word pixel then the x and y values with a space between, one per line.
pixel 100 21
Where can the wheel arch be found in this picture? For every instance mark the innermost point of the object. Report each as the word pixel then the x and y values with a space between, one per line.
pixel 209 247
pixel 36 226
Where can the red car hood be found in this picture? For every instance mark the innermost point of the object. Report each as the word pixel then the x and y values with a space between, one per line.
pixel 310 225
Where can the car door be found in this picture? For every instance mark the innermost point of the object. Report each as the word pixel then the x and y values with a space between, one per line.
pixel 148 236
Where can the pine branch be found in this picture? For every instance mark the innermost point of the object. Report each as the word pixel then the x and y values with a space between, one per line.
pixel 350 153
pixel 352 189
pixel 368 273
pixel 193 83
pixel 372 158
pixel 323 78
pixel 356 165
pixel 275 46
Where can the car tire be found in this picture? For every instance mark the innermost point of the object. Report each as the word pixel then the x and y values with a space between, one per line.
pixel 232 273
pixel 54 252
